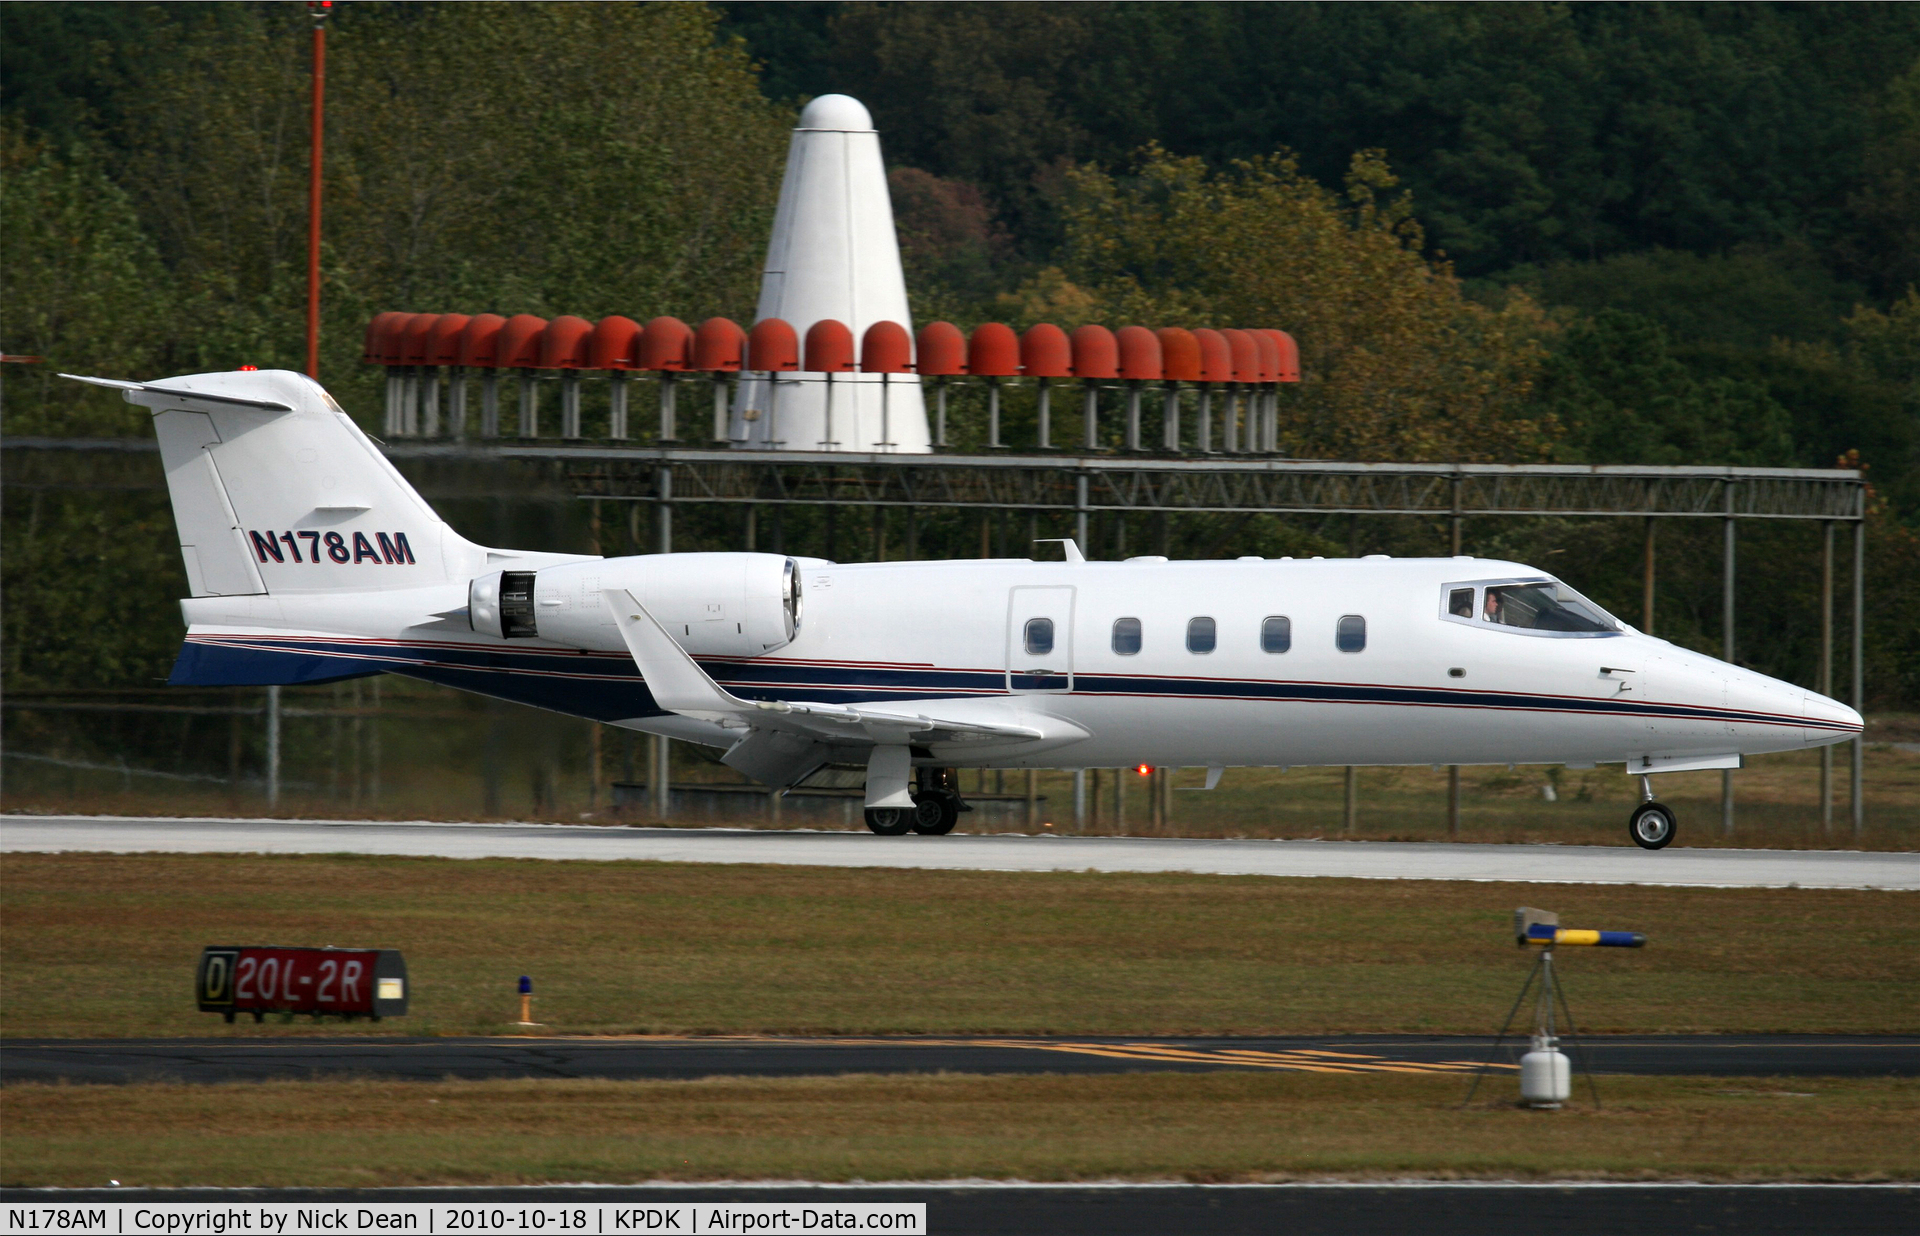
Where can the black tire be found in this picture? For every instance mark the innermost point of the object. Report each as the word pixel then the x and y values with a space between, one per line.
pixel 889 821
pixel 935 813
pixel 1652 826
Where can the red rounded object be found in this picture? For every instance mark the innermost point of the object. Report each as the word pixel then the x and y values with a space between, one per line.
pixel 480 341
pixel 1269 355
pixel 719 346
pixel 1289 370
pixel 666 345
pixel 614 344
pixel 887 348
pixel 520 341
pixel 942 350
pixel 829 347
pixel 1095 353
pixel 413 344
pixel 772 347
pixel 563 345
pixel 443 342
pixel 1179 354
pixel 1246 355
pixel 993 351
pixel 1139 354
pixel 394 352
pixel 373 349
pixel 1216 356
pixel 1045 352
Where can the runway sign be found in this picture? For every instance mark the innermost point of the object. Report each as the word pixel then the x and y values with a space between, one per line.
pixel 262 979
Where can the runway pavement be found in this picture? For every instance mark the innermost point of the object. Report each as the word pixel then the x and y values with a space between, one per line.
pixel 268 1059
pixel 1552 864
pixel 1117 1208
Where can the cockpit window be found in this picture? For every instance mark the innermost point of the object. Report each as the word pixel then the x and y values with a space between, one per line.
pixel 1540 606
pixel 1543 607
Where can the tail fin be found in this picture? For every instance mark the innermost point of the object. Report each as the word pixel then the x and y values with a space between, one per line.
pixel 275 490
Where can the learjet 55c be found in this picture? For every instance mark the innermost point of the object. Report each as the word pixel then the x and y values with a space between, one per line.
pixel 311 559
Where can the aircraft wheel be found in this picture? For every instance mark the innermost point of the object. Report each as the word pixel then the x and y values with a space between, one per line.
pixel 935 813
pixel 889 821
pixel 1651 826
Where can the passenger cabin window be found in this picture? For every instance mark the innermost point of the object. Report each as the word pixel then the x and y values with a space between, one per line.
pixel 1200 635
pixel 1351 634
pixel 1542 607
pixel 1276 634
pixel 1039 636
pixel 1460 602
pixel 1126 636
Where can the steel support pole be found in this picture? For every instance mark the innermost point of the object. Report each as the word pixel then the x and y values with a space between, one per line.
pixel 1080 513
pixel 720 408
pixel 457 404
pixel 1726 637
pixel 1043 412
pixel 1646 579
pixel 1203 428
pixel 659 782
pixel 273 746
pixel 617 406
pixel 1079 800
pixel 1826 672
pixel 529 405
pixel 1090 416
pixel 1859 785
pixel 1170 419
pixel 318 119
pixel 993 414
pixel 570 404
pixel 1133 416
pixel 490 404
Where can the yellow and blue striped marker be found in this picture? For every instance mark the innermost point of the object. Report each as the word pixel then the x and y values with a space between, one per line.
pixel 1547 933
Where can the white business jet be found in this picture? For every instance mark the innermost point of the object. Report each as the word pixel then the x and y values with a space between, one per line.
pixel 311 559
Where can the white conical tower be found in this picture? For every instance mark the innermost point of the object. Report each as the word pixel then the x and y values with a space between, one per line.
pixel 833 255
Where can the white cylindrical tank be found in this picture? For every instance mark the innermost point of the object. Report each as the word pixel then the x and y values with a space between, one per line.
pixel 833 255
pixel 1546 1078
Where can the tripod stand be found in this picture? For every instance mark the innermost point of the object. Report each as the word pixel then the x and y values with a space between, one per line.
pixel 1545 1036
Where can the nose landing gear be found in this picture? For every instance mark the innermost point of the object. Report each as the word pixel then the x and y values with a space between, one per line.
pixel 1652 824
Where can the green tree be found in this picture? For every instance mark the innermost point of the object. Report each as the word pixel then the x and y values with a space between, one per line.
pixel 1397 363
pixel 1614 383
pixel 84 289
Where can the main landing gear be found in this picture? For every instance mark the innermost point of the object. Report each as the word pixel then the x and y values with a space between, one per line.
pixel 1652 824
pixel 936 808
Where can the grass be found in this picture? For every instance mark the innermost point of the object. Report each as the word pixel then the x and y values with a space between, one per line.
pixel 105 945
pixel 1776 797
pixel 1211 1127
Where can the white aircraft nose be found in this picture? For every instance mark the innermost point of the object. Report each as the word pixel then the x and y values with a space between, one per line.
pixel 1829 720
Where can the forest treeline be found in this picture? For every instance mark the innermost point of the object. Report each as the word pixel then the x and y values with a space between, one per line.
pixel 1579 233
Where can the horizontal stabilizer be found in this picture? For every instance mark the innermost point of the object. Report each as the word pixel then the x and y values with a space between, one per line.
pixel 153 388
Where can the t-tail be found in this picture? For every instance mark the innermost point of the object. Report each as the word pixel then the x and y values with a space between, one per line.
pixel 286 513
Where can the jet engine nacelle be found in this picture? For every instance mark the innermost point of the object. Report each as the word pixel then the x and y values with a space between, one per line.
pixel 733 605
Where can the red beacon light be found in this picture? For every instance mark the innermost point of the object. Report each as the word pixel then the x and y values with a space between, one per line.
pixel 249 369
pixel 1145 770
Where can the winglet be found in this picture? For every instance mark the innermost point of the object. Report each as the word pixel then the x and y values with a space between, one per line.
pixel 677 682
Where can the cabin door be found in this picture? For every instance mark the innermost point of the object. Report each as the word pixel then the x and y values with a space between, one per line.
pixel 1040 639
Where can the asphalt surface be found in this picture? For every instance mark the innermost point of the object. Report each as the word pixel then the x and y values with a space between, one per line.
pixel 264 1059
pixel 1400 1208
pixel 1553 864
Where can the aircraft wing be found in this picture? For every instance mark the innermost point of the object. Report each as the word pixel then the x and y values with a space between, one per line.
pixel 679 685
